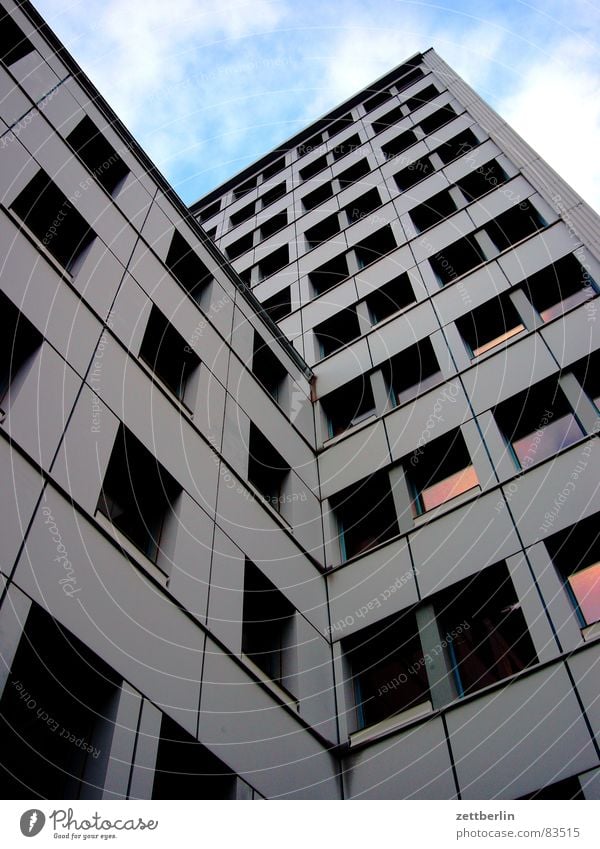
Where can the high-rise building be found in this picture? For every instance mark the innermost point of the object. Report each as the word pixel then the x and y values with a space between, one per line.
pixel 314 515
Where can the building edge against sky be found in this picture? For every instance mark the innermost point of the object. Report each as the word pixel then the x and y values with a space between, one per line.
pixel 316 516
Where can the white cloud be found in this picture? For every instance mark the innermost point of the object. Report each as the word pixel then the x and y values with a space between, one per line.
pixel 556 108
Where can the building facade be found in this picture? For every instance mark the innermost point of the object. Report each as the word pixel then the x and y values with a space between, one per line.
pixel 300 485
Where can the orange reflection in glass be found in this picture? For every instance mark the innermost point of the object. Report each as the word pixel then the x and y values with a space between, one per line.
pixel 586 588
pixel 498 340
pixel 449 488
pixel 570 301
pixel 547 441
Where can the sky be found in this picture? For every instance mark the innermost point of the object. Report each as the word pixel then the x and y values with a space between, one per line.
pixel 207 86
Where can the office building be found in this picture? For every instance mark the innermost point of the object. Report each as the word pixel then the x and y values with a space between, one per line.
pixel 300 484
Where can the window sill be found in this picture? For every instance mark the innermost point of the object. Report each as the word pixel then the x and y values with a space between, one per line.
pixel 131 551
pixel 276 689
pixel 591 632
pixel 447 505
pixel 333 440
pixel 387 726
pixel 166 390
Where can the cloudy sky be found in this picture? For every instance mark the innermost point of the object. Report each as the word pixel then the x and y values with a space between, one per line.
pixel 206 86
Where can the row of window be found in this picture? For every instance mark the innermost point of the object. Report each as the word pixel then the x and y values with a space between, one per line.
pixel 449 264
pixel 434 210
pixel 535 424
pixel 551 291
pixel 360 169
pixel 77 691
pixel 475 629
pixel 317 140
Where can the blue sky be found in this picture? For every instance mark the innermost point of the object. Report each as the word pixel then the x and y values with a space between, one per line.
pixel 206 86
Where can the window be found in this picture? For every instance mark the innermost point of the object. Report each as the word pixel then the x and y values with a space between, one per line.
pixel 273 168
pixel 388 669
pixel 438 119
pixel 313 168
pixel 399 144
pixel 409 78
pixel 211 233
pixel 274 224
pixel 187 267
pixel 412 372
pixel 138 494
pixel 273 194
pixel 456 259
pixel 274 262
pixel 345 147
pixel 413 173
pixel 375 246
pixel 389 119
pixel 489 325
pixel 75 689
pixel 267 470
pixel 243 214
pixel 376 100
pixel 317 196
pixel 439 472
pixel 312 144
pixel 54 221
pixel 19 340
pixel 240 246
pixel 268 626
pixel 455 147
pixel 246 187
pixel 363 206
pixel 587 372
pixel 14 43
pixel 349 405
pixel 433 211
pixel 575 553
pixel 559 287
pixel 329 274
pixel 389 298
pixel 278 305
pixel 423 96
pixel 167 354
pixel 322 231
pixel 339 125
pixel 482 180
pixel 185 769
pixel 493 642
pixel 354 173
pixel 537 423
pixel 514 225
pixel 339 330
pixel 209 211
pixel 366 515
pixel 98 155
pixel 267 368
